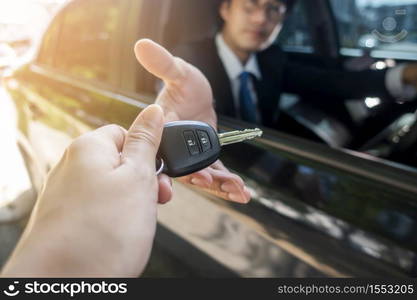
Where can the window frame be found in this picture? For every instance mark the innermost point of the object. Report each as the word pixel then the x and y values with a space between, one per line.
pixel 321 27
pixel 398 176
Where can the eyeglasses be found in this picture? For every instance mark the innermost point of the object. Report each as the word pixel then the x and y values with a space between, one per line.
pixel 274 11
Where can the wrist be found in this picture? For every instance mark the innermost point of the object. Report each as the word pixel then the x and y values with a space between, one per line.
pixel 36 256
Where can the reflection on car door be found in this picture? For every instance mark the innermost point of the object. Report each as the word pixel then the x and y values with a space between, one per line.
pixel 70 84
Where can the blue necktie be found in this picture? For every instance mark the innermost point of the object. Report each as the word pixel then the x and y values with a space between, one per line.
pixel 247 106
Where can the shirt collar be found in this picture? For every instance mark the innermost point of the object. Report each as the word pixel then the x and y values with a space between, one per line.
pixel 232 63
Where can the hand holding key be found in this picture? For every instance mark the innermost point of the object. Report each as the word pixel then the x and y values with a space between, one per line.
pixel 103 191
pixel 187 95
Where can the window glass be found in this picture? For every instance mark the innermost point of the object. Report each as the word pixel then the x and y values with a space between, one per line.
pixel 383 25
pixel 88 31
pixel 148 24
pixel 296 35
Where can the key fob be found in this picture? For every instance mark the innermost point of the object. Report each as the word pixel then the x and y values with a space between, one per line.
pixel 187 147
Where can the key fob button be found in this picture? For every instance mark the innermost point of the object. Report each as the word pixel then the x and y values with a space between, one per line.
pixel 204 140
pixel 191 142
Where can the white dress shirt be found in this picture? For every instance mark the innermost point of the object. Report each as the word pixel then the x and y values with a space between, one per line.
pixel 396 86
pixel 234 68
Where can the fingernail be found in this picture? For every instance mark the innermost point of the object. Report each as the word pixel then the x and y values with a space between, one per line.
pixel 152 116
pixel 227 187
pixel 247 191
pixel 198 182
pixel 235 198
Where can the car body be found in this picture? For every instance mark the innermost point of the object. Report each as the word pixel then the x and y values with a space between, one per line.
pixel 316 210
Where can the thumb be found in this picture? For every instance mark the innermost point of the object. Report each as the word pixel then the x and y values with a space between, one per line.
pixel 144 136
pixel 159 61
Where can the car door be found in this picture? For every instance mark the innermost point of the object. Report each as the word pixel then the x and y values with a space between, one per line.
pixel 67 89
pixel 380 201
pixel 315 209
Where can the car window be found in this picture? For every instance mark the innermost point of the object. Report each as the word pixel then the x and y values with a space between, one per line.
pixel 88 32
pixel 296 34
pixel 47 50
pixel 385 27
pixel 179 22
pixel 147 23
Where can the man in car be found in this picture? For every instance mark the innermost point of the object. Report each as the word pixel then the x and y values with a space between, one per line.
pixel 248 74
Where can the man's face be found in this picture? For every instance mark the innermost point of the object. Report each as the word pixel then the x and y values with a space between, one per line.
pixel 248 24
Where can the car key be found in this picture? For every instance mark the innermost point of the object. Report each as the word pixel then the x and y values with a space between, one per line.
pixel 189 146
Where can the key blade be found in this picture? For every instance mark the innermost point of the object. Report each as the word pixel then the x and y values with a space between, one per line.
pixel 238 136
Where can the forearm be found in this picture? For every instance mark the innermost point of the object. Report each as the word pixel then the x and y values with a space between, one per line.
pixel 44 253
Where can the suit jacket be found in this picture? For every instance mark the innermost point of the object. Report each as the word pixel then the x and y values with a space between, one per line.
pixel 279 75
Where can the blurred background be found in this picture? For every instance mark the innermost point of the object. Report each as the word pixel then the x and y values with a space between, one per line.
pixel 21 25
pixel 22 22
pixel 355 217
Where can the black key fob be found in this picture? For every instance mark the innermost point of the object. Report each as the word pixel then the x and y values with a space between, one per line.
pixel 187 147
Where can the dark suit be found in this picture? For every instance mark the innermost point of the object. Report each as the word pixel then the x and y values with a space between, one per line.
pixel 279 75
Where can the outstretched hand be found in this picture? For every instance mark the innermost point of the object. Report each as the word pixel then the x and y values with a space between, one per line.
pixel 97 217
pixel 187 95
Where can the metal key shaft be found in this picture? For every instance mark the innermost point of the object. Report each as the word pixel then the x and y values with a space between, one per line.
pixel 238 136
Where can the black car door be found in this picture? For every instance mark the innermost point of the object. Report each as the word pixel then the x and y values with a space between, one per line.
pixel 359 202
pixel 68 88
pixel 315 210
